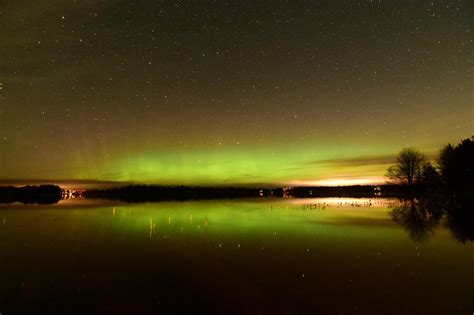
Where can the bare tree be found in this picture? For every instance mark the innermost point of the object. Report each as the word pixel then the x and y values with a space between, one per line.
pixel 409 167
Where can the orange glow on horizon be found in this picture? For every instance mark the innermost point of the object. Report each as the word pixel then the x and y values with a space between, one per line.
pixel 374 180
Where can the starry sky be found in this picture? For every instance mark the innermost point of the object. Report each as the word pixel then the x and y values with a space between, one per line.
pixel 229 92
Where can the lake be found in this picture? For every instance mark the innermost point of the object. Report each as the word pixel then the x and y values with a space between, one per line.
pixel 271 256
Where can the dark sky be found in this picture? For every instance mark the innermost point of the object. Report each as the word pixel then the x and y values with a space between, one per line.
pixel 216 92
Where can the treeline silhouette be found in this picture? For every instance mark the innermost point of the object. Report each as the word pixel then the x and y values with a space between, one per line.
pixel 49 194
pixel 346 191
pixel 42 194
pixel 452 173
pixel 456 165
pixel 142 193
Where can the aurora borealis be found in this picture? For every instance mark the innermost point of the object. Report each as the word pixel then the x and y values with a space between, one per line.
pixel 229 93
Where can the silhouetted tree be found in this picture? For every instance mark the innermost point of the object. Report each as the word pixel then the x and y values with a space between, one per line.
pixel 409 168
pixel 457 164
pixel 429 175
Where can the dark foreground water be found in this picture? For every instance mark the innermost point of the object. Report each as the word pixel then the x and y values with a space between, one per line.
pixel 329 256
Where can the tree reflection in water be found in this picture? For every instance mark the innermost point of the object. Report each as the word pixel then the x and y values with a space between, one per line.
pixel 460 217
pixel 420 217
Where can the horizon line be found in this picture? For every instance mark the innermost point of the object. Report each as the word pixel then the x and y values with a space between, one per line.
pixel 94 183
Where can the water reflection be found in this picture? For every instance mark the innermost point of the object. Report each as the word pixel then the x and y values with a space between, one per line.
pixel 460 218
pixel 241 256
pixel 420 217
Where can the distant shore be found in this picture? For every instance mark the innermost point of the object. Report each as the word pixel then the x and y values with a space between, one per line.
pixel 42 194
pixel 49 194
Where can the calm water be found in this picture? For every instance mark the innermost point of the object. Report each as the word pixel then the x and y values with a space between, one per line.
pixel 332 256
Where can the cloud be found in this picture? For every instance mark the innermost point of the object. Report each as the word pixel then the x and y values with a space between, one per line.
pixel 356 161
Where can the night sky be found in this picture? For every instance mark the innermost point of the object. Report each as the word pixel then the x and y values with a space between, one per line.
pixel 229 92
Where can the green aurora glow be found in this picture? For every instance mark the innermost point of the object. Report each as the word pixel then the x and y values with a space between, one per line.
pixel 236 166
